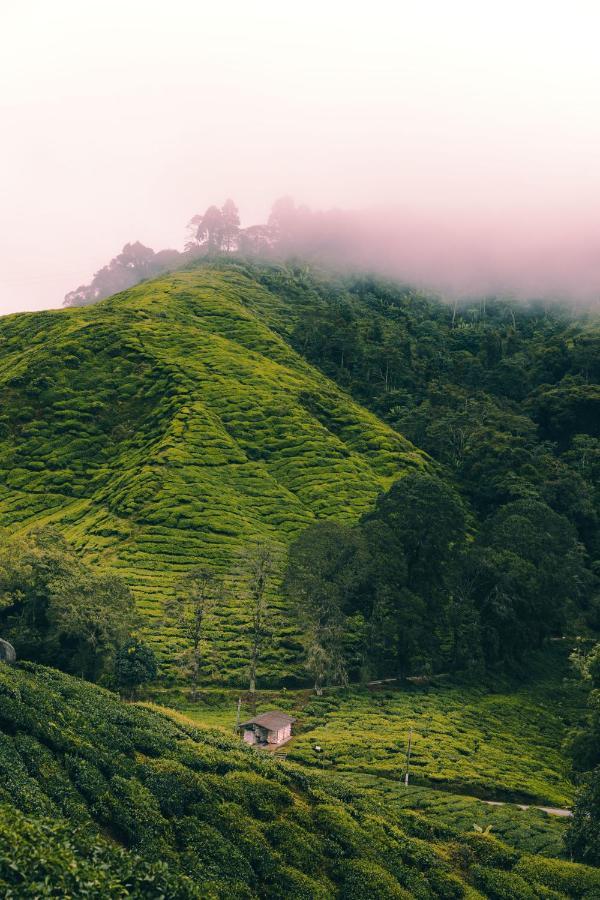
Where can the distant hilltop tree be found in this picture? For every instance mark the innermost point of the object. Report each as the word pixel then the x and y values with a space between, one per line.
pixel 216 230
pixel 134 263
pixel 289 231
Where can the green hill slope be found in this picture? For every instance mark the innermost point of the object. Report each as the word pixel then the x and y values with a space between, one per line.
pixel 169 426
pixel 94 791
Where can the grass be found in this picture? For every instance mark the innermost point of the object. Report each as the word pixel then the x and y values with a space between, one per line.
pixel 168 427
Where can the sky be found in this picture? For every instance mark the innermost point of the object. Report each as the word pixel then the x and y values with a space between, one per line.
pixel 478 121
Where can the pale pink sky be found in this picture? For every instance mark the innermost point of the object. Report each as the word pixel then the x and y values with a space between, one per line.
pixel 120 120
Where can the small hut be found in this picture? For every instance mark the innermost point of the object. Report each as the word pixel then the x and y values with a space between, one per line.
pixel 7 652
pixel 270 729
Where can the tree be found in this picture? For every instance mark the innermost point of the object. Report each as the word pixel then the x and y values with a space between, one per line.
pixel 230 226
pixel 58 611
pixel 415 537
pixel 90 615
pixel 134 263
pixel 135 664
pixel 28 566
pixel 209 229
pixel 324 569
pixel 256 240
pixel 259 566
pixel 190 608
pixel 529 573
pixel 583 835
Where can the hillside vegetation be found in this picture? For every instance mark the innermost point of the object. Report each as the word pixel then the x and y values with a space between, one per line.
pixel 94 791
pixel 167 427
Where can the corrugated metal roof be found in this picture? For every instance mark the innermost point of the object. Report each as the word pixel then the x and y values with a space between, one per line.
pixel 272 721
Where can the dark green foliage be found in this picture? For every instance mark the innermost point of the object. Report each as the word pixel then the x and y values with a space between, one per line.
pixel 48 858
pixel 569 879
pixel 487 851
pixel 375 590
pixel 583 838
pixel 499 885
pixel 367 596
pixel 528 577
pixel 504 396
pixel 57 610
pixel 325 569
pixel 135 664
pixel 368 881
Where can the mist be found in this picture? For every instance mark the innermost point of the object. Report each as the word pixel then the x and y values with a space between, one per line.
pixel 459 143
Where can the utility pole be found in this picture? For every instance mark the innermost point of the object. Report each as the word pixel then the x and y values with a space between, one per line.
pixel 408 749
pixel 237 719
pixel 318 750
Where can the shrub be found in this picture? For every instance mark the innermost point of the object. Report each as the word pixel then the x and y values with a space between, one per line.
pixel 296 885
pixel 50 858
pixel 136 816
pixel 207 854
pixel 174 786
pixel 260 797
pixel 572 879
pixel 365 880
pixel 296 845
pixel 340 830
pixel 499 885
pixel 488 851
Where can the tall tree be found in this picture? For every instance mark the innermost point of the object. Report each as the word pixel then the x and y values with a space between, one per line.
pixel 90 615
pixel 324 569
pixel 230 226
pixel 209 229
pixel 529 576
pixel 197 594
pixel 415 536
pixel 259 565
pixel 135 664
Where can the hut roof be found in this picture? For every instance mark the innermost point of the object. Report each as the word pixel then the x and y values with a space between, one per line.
pixel 272 721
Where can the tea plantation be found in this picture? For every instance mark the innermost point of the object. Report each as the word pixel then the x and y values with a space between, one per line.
pixel 93 792
pixel 168 427
pixel 502 746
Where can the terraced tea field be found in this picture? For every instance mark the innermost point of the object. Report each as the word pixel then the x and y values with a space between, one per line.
pixel 530 830
pixel 495 746
pixel 167 428
pixel 488 742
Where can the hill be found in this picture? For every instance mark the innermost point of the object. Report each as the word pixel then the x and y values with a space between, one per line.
pixel 169 426
pixel 94 791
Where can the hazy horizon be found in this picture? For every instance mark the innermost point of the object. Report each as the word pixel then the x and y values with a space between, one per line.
pixel 473 132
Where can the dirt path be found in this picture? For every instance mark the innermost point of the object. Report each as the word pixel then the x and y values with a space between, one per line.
pixel 551 810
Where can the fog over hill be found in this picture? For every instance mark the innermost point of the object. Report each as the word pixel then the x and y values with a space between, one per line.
pixel 476 134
